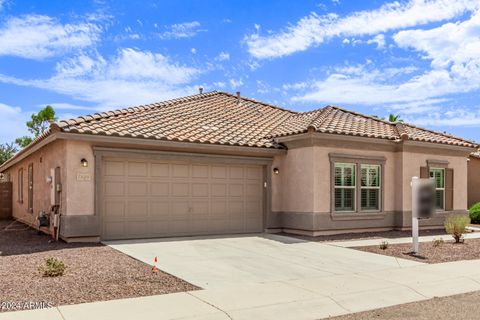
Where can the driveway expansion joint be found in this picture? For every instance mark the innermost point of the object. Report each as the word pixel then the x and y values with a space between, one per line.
pixel 210 304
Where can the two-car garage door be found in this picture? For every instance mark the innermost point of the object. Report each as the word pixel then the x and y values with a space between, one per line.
pixel 155 198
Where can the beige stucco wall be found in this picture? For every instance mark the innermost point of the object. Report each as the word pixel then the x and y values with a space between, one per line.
pixel 303 184
pixel 80 181
pixel 412 161
pixel 45 159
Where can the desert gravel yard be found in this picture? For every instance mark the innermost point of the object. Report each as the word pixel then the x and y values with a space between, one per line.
pixel 94 272
pixel 463 306
pixel 431 252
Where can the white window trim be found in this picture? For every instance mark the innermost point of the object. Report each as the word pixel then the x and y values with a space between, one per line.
pixel 439 189
pixel 354 187
pixel 379 187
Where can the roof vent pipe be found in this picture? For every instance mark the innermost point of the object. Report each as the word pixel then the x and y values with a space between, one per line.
pixel 239 97
pixel 200 90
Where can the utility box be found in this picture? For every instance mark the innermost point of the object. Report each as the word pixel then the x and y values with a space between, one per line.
pixel 423 198
pixel 5 200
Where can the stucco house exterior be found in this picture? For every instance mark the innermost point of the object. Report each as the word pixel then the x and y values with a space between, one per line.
pixel 217 163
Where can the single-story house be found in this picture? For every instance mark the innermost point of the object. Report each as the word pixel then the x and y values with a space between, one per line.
pixel 217 163
pixel 474 178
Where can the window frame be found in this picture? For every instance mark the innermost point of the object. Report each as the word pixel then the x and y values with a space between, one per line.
pixel 357 160
pixel 379 187
pixel 430 171
pixel 354 187
pixel 20 185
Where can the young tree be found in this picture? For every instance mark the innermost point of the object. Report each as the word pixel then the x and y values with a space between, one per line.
pixel 7 151
pixel 38 124
pixel 394 118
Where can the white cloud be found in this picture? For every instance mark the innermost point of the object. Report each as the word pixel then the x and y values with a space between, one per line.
pixel 182 30
pixel 38 36
pixel 455 117
pixel 379 40
pixel 13 123
pixel 313 30
pixel 235 83
pixel 131 77
pixel 222 56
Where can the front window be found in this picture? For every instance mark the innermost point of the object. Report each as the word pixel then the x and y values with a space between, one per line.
pixel 370 187
pixel 344 192
pixel 438 174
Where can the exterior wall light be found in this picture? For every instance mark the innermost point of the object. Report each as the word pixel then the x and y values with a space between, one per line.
pixel 84 162
pixel 276 171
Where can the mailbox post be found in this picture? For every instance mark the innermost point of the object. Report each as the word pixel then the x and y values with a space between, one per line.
pixel 423 205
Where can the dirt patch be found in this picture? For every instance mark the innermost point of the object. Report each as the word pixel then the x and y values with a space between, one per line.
pixel 463 306
pixel 94 272
pixel 431 252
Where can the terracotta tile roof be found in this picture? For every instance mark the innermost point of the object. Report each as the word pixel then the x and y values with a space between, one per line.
pixel 335 120
pixel 214 117
pixel 475 154
pixel 219 118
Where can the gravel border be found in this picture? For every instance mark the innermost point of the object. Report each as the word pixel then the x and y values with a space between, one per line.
pixel 94 272
pixel 431 252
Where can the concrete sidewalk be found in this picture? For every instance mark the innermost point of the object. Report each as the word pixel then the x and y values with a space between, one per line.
pixel 292 280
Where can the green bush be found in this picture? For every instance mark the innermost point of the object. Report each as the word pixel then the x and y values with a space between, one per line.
pixel 456 225
pixel 475 213
pixel 383 245
pixel 53 268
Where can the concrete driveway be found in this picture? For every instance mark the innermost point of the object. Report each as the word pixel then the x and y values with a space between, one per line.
pixel 270 277
pixel 221 262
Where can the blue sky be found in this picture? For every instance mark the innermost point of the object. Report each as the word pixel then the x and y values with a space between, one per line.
pixel 419 59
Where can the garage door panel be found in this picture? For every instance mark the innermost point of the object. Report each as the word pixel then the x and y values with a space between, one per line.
pixel 160 170
pixel 254 173
pixel 159 189
pixel 237 173
pixel 136 228
pixel 114 230
pixel 218 189
pixel 180 171
pixel 200 171
pixel 180 210
pixel 253 190
pixel 235 190
pixel 143 198
pixel 159 210
pixel 137 169
pixel 219 172
pixel 114 168
pixel 180 189
pixel 113 188
pixel 136 209
pixel 137 188
pixel 200 189
pixel 114 209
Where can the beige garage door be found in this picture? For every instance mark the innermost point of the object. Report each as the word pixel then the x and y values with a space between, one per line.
pixel 167 198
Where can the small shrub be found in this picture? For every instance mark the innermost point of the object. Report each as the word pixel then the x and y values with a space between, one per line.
pixel 475 213
pixel 437 242
pixel 383 245
pixel 53 268
pixel 456 226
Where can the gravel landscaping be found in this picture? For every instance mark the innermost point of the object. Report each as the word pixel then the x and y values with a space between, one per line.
pixel 462 306
pixel 94 272
pixel 366 235
pixel 431 252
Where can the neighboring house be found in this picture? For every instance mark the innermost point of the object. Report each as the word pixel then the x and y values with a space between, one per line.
pixel 216 163
pixel 474 178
